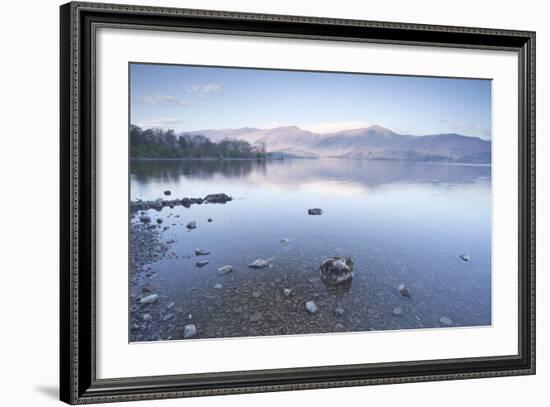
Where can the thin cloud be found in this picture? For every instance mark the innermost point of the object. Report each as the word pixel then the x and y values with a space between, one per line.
pixel 334 127
pixel 160 123
pixel 157 99
pixel 205 89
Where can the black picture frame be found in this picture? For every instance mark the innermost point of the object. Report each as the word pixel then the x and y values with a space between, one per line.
pixel 78 382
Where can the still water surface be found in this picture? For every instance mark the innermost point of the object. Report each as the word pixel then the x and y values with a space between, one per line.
pixel 400 222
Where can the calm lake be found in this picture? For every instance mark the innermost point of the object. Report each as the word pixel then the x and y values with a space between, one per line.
pixel 400 222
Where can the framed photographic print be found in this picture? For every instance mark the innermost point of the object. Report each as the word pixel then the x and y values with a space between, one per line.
pixel 257 203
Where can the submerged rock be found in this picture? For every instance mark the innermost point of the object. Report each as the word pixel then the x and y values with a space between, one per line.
pixel 311 307
pixel 209 219
pixel 145 219
pixel 191 225
pixel 336 270
pixel 259 264
pixel 167 192
pixel 339 328
pixel 315 211
pixel 189 331
pixel 256 317
pixel 149 299
pixel 217 198
pixel 446 321
pixel 201 252
pixel 149 287
pixel 201 263
pixel 159 220
pixel 397 311
pixel 464 257
pixel 167 317
pixel 225 269
pixel 404 290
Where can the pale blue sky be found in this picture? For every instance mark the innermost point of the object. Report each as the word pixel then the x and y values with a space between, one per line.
pixel 193 98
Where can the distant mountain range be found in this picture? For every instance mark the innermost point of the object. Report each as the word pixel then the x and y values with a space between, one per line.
pixel 374 142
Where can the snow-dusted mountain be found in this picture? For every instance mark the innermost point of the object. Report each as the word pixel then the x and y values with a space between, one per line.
pixel 374 142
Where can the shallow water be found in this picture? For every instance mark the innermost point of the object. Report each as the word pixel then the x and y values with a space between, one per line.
pixel 400 222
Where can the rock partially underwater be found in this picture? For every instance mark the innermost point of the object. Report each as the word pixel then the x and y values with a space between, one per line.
pixel 315 211
pixel 336 270
pixel 160 203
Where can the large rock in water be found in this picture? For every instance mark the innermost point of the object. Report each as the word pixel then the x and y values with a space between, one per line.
pixel 217 198
pixel 336 270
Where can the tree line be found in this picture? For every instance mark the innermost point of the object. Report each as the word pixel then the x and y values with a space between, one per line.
pixel 160 143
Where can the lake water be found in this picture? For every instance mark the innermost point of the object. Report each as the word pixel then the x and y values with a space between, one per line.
pixel 400 222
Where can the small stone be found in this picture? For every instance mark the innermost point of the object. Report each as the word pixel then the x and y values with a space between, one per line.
pixel 159 220
pixel 339 328
pixel 171 305
pixel 446 321
pixel 149 288
pixel 201 252
pixel 259 264
pixel 189 331
pixel 397 311
pixel 147 317
pixel 311 307
pixel 209 219
pixel 145 219
pixel 201 263
pixel 167 192
pixel 315 211
pixel 287 292
pixel 149 299
pixel 191 225
pixel 256 317
pixel 256 294
pixel 218 286
pixel 284 240
pixel 404 291
pixel 167 317
pixel 339 311
pixel 464 257
pixel 225 269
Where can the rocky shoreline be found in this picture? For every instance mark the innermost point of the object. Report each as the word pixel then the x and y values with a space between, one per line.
pixel 158 204
pixel 235 298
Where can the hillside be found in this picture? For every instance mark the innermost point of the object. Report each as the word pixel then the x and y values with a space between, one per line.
pixel 374 142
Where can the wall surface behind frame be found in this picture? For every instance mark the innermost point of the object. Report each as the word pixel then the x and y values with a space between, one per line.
pixel 29 205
